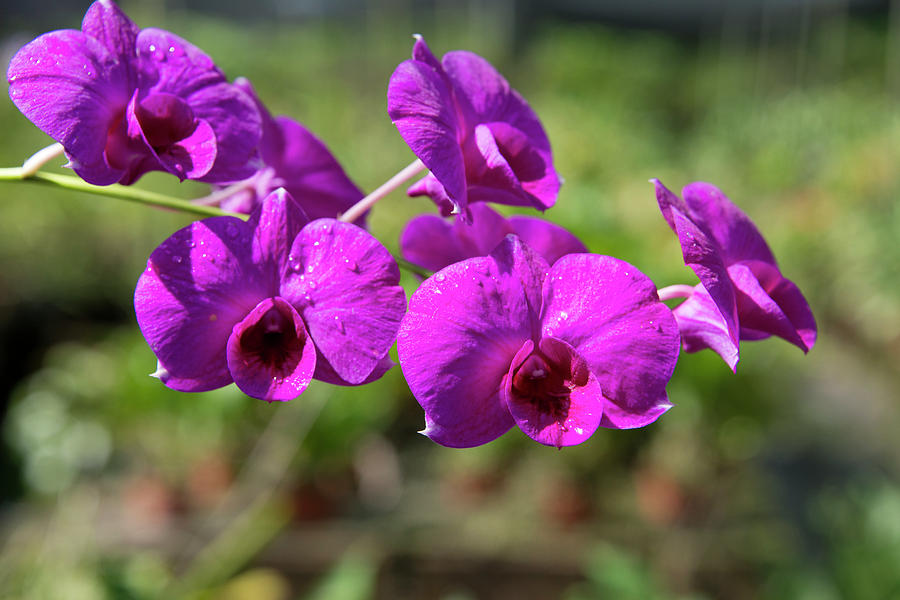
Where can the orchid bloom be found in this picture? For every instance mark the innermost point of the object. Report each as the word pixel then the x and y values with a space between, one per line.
pixel 478 137
pixel 742 294
pixel 269 303
pixel 124 101
pixel 505 339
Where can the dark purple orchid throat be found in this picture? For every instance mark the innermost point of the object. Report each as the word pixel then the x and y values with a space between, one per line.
pixel 272 343
pixel 547 383
pixel 165 119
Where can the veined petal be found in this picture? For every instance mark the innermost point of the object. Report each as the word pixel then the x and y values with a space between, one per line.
pixel 702 326
pixel 270 355
pixel 508 162
pixel 463 328
pixel 73 89
pixel 345 284
pixel 312 174
pixel 610 313
pixel 198 284
pixel 433 243
pixel 549 240
pixel 235 119
pixel 105 22
pixel 173 65
pixel 703 255
pixel 421 106
pixel 760 310
pixel 275 223
pixel 734 232
pixel 566 410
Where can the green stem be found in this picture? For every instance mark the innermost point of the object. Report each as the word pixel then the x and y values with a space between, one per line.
pixel 412 268
pixel 120 192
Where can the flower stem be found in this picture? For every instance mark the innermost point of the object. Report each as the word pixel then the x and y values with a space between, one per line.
pixel 113 191
pixel 215 198
pixel 413 268
pixel 675 291
pixel 357 210
pixel 41 158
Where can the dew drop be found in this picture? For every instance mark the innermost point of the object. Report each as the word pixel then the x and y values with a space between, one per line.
pixel 351 264
pixel 563 315
pixel 339 324
pixel 439 277
pixel 312 285
pixel 309 269
pixel 177 258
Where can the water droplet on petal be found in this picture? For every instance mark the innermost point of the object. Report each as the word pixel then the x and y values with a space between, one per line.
pixel 309 269
pixel 563 315
pixel 176 258
pixel 439 277
pixel 339 324
pixel 351 264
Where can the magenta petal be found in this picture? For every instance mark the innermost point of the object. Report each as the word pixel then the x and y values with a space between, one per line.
pixel 434 243
pixel 346 286
pixel 106 23
pixel 431 187
pixel 734 232
pixel 702 326
pixel 193 156
pixel 312 175
pixel 174 65
pixel 70 86
pixel 703 255
pixel 760 312
pixel 610 313
pixel 552 394
pixel 421 106
pixel 549 240
pixel 275 223
pixel 270 355
pixel 463 328
pixel 196 287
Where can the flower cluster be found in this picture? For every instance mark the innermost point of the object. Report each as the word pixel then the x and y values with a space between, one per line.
pixel 519 324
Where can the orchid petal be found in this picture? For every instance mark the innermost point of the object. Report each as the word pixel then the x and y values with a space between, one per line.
pixel 269 353
pixel 733 231
pixel 759 310
pixel 610 313
pixel 66 83
pixel 702 326
pixel 275 224
pixel 345 284
pixel 421 106
pixel 196 287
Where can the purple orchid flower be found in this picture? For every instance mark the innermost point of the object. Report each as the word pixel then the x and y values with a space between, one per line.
pixel 506 339
pixel 478 137
pixel 434 243
pixel 269 303
pixel 124 101
pixel 295 159
pixel 742 294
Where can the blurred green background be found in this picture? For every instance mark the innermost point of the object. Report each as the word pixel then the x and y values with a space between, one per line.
pixel 778 482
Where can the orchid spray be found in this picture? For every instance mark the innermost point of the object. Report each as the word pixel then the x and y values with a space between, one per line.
pixel 515 323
